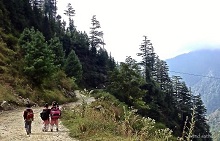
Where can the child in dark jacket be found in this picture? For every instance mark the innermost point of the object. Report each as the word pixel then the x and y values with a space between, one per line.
pixel 28 118
pixel 45 116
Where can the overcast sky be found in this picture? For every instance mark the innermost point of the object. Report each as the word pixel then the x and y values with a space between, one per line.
pixel 173 26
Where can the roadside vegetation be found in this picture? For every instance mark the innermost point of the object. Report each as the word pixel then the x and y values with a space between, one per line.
pixel 107 119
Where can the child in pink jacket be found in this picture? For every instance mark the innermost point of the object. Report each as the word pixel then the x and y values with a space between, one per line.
pixel 55 114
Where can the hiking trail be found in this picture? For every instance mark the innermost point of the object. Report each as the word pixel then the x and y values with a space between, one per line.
pixel 12 125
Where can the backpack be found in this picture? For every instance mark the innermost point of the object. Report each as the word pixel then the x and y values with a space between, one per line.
pixel 30 115
pixel 44 115
pixel 55 113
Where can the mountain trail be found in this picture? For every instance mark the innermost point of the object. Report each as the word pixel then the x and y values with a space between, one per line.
pixel 12 125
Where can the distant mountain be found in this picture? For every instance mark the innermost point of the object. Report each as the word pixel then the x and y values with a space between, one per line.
pixel 201 71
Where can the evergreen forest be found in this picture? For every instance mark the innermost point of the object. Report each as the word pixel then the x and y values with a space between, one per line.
pixel 43 58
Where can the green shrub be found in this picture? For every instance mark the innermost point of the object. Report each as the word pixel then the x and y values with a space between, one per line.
pixel 105 96
pixel 60 79
pixel 55 95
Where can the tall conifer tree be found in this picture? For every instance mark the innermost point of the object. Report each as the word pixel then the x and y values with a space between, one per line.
pixel 96 36
pixel 148 57
pixel 70 12
pixel 73 67
pixel 38 57
pixel 202 129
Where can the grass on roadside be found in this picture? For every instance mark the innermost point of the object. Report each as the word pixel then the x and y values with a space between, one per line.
pixel 105 120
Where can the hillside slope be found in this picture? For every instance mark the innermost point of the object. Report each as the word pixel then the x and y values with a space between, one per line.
pixel 213 121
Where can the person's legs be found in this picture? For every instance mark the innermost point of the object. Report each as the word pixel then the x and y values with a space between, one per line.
pixel 26 127
pixel 56 123
pixel 52 122
pixel 30 126
pixel 47 122
pixel 44 126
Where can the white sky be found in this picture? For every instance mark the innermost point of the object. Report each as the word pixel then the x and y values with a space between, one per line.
pixel 173 26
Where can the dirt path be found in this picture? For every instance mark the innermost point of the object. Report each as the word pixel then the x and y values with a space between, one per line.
pixel 12 126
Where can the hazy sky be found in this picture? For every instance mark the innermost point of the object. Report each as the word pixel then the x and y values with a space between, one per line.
pixel 173 26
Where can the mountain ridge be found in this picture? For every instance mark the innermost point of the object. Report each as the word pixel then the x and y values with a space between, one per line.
pixel 199 69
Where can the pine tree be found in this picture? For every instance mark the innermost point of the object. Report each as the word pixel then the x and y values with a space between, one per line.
pixel 95 68
pixel 201 130
pixel 67 44
pixel 102 59
pixel 38 57
pixel 70 12
pixel 160 73
pixel 37 3
pixel 73 67
pixel 37 19
pixel 148 58
pixel 57 48
pixel 185 103
pixel 125 83
pixel 47 29
pixel 176 88
pixel 111 63
pixel 176 85
pixel 4 18
pixel 59 27
pixel 50 9
pixel 96 36
pixel 16 14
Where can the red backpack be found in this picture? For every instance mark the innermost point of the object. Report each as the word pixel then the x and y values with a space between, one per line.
pixel 30 114
pixel 55 113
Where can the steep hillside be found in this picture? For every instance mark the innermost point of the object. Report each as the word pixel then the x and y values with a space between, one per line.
pixel 214 120
pixel 200 70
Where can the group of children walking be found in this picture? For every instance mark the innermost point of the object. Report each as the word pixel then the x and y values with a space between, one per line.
pixel 49 116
